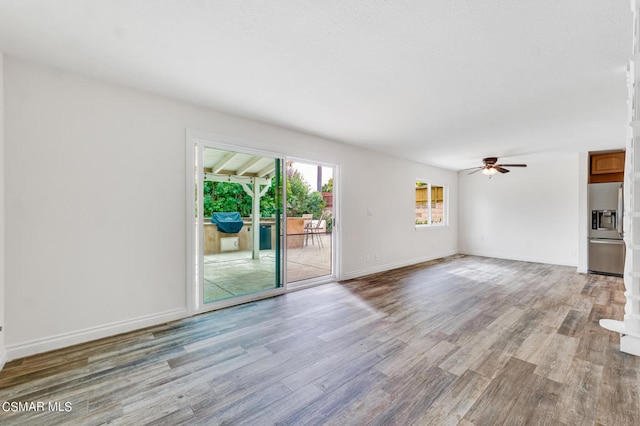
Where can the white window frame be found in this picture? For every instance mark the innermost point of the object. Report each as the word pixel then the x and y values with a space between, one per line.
pixel 445 193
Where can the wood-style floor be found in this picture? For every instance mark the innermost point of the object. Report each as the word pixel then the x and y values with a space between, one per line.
pixel 465 340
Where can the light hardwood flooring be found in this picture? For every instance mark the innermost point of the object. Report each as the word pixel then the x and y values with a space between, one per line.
pixel 464 340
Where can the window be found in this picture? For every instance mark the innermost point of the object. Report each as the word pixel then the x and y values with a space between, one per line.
pixel 431 202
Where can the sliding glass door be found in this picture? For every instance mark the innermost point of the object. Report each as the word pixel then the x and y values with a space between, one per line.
pixel 238 226
pixel 310 219
pixel 258 223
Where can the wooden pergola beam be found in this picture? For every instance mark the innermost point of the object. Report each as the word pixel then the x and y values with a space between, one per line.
pixel 246 166
pixel 223 162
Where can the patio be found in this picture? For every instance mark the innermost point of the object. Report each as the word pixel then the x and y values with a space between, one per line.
pixel 235 273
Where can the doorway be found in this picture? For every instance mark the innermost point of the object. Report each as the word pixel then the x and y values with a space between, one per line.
pixel 310 222
pixel 259 223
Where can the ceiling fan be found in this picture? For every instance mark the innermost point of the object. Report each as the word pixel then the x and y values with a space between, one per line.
pixel 490 167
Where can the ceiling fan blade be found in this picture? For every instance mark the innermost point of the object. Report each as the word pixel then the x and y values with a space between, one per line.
pixel 500 169
pixel 475 171
pixel 511 165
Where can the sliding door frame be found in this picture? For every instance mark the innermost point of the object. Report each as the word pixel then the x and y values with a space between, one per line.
pixel 196 140
pixel 335 237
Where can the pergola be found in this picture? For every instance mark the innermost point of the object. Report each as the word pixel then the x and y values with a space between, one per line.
pixel 245 169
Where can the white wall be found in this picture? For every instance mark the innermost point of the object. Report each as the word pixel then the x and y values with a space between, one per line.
pixel 386 187
pixel 528 214
pixel 2 298
pixel 95 205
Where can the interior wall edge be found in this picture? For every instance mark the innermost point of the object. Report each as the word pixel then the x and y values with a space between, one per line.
pixel 583 209
pixel 59 341
pixel 2 217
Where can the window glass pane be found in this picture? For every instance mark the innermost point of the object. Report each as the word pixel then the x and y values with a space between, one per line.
pixel 240 224
pixel 437 204
pixel 422 203
pixel 430 204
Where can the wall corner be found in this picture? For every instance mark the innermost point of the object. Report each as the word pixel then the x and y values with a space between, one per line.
pixel 583 222
pixel 2 217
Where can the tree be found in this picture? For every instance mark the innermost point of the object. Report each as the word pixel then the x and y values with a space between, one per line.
pixel 314 204
pixel 297 190
pixel 328 187
pixel 299 199
pixel 231 197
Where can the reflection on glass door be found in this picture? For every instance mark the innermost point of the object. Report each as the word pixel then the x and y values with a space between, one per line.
pixel 310 217
pixel 238 203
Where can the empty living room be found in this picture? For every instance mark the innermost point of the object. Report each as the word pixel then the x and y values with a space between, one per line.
pixel 297 213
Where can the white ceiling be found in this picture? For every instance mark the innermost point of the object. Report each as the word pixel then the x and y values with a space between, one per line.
pixel 443 82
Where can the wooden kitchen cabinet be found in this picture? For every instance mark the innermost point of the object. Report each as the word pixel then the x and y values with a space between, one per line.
pixel 606 167
pixel 607 163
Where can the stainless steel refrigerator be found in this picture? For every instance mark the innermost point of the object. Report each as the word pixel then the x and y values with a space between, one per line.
pixel 606 247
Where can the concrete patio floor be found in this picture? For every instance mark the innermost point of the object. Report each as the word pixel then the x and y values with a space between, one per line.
pixel 235 273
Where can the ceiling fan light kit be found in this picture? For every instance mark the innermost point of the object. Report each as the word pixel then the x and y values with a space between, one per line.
pixel 490 167
pixel 489 171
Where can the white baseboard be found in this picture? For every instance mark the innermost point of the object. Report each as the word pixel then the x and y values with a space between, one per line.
pixel 388 266
pixel 81 336
pixel 394 265
pixel 3 359
pixel 534 259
